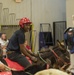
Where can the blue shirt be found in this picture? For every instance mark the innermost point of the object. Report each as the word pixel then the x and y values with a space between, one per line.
pixel 17 38
pixel 66 39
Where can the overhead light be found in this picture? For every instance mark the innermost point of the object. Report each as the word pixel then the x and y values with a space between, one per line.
pixel 18 1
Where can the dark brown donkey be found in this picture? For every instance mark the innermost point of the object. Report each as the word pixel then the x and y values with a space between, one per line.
pixel 56 57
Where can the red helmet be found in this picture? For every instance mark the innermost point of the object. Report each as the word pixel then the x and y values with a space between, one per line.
pixel 24 21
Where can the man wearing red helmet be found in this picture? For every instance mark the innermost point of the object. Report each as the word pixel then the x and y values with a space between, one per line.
pixel 16 44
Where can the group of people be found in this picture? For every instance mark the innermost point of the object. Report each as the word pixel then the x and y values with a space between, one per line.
pixel 16 47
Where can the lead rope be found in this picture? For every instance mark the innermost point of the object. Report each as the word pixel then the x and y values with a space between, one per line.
pixel 47 67
pixel 28 73
pixel 41 58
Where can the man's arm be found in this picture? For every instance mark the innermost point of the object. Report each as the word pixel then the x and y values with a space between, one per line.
pixel 24 51
pixel 29 50
pixel 31 53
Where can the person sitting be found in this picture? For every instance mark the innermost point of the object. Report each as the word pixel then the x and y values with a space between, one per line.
pixel 16 45
pixel 3 42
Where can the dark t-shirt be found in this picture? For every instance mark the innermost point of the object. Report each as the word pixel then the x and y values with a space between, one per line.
pixel 17 38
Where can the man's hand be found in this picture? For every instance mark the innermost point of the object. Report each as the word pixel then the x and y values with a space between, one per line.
pixel 36 55
pixel 34 59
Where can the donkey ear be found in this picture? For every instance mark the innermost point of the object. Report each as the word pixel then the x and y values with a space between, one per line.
pixel 62 42
pixel 58 42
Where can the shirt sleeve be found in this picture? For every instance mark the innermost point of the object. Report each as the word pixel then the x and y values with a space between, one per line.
pixel 65 39
pixel 21 38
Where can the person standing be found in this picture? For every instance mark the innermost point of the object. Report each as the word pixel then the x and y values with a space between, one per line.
pixel 69 42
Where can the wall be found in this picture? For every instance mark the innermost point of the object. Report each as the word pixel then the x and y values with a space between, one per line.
pixel 20 9
pixel 39 11
pixel 69 12
pixel 47 11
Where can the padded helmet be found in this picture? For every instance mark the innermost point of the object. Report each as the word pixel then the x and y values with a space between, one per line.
pixel 24 21
pixel 70 29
